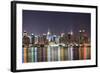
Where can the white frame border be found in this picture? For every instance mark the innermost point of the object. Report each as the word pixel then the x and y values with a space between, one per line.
pixel 20 65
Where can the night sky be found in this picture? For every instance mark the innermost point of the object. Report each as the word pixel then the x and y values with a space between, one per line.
pixel 38 22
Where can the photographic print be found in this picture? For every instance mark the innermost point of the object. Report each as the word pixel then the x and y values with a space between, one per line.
pixel 53 36
pixel 56 36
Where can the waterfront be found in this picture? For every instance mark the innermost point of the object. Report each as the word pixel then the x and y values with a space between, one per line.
pixel 56 53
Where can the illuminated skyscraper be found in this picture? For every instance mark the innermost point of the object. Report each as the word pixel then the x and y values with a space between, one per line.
pixel 82 36
pixel 49 37
pixel 32 39
pixel 36 39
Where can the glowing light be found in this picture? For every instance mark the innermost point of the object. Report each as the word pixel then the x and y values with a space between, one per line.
pixel 71 32
pixel 32 34
pixel 83 30
pixel 80 31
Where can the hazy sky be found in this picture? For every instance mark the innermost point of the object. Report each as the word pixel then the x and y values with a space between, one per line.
pixel 38 22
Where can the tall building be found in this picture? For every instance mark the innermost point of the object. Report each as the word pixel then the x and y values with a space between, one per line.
pixel 36 39
pixel 70 37
pixel 45 39
pixel 26 39
pixel 83 38
pixel 49 37
pixel 63 38
pixel 32 39
pixel 57 39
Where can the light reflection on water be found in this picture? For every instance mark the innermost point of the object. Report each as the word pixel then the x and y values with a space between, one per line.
pixel 55 53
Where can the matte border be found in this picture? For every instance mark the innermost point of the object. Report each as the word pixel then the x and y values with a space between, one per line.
pixel 13 35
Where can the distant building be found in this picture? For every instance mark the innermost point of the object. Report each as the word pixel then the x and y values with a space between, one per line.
pixel 26 40
pixel 32 39
pixel 49 36
pixel 83 38
pixel 57 39
pixel 45 39
pixel 36 39
pixel 63 38
pixel 70 37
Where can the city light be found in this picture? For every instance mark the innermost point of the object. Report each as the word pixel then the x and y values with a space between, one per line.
pixel 52 47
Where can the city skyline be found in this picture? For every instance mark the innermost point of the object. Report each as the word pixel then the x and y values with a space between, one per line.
pixel 38 22
pixel 75 44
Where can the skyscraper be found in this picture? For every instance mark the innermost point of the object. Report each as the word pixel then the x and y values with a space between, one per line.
pixel 26 39
pixel 32 39
pixel 70 37
pixel 49 35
